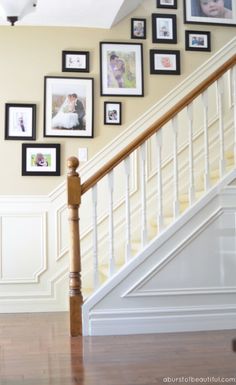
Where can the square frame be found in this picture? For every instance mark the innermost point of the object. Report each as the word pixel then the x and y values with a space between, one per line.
pixel 172 4
pixel 164 28
pixel 75 61
pixel 68 107
pixel 193 14
pixel 198 41
pixel 165 62
pixel 40 159
pixel 20 121
pixel 138 28
pixel 121 69
pixel 112 113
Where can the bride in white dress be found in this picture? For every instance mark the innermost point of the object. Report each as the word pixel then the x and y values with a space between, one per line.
pixel 66 117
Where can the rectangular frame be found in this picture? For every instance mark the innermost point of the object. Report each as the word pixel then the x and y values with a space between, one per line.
pixel 75 61
pixel 68 107
pixel 193 14
pixel 20 121
pixel 167 4
pixel 165 62
pixel 138 28
pixel 40 159
pixel 121 69
pixel 164 28
pixel 197 41
pixel 112 113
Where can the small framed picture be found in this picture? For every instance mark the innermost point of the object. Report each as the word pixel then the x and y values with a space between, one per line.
pixel 75 61
pixel 112 113
pixel 164 28
pixel 41 159
pixel 197 41
pixel 167 4
pixel 164 62
pixel 20 121
pixel 138 28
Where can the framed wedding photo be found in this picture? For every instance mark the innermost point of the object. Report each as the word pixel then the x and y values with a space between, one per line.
pixel 41 159
pixel 112 113
pixel 164 28
pixel 75 61
pixel 197 41
pixel 202 12
pixel 68 107
pixel 167 4
pixel 20 121
pixel 138 28
pixel 164 62
pixel 121 69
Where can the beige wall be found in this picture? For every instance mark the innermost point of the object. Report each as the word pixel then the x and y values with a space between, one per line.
pixel 30 53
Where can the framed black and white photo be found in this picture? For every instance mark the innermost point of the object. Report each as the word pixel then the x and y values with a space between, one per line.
pixel 220 12
pixel 138 28
pixel 197 41
pixel 112 113
pixel 68 107
pixel 167 4
pixel 165 62
pixel 75 61
pixel 41 159
pixel 121 69
pixel 164 28
pixel 20 121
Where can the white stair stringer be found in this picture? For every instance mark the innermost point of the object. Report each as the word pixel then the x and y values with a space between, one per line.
pixel 184 280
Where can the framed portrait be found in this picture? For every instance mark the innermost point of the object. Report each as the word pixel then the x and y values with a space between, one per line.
pixel 40 159
pixel 164 28
pixel 112 113
pixel 75 61
pixel 138 28
pixel 68 107
pixel 167 4
pixel 164 62
pixel 121 69
pixel 197 41
pixel 202 12
pixel 20 121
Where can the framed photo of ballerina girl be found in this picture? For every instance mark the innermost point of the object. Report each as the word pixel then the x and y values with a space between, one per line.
pixel 68 107
pixel 218 12
pixel 20 120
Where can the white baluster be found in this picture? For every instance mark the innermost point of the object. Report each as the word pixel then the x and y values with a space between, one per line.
pixel 234 102
pixel 160 218
pixel 206 142
pixel 220 92
pixel 127 210
pixel 143 195
pixel 95 238
pixel 191 192
pixel 111 224
pixel 175 169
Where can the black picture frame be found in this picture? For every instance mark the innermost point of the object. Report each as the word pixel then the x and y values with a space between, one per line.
pixel 164 29
pixel 172 4
pixel 112 113
pixel 138 28
pixel 40 159
pixel 165 62
pixel 75 61
pixel 198 40
pixel 20 121
pixel 193 13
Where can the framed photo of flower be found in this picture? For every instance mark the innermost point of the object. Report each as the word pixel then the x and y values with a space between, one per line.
pixel 41 159
pixel 20 121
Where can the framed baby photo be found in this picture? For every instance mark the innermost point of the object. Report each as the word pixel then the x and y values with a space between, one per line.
pixel 41 159
pixel 138 28
pixel 164 62
pixel 75 61
pixel 164 28
pixel 20 121
pixel 197 41
pixel 68 107
pixel 121 69
pixel 220 12
pixel 167 4
pixel 112 113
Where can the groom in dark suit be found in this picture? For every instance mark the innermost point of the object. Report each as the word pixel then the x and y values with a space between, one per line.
pixel 80 111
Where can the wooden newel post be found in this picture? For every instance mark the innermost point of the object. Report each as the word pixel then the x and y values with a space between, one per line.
pixel 74 198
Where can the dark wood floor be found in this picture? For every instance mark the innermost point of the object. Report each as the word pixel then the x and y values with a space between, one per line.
pixel 35 349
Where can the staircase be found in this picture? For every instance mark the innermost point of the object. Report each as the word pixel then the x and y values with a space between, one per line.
pixel 147 205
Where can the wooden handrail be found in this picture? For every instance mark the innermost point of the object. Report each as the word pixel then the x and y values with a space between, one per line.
pixel 90 182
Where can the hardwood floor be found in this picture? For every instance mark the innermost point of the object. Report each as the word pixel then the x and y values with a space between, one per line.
pixel 35 349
